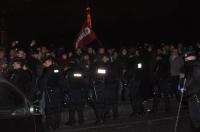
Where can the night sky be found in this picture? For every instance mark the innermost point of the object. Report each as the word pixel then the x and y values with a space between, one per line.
pixel 115 21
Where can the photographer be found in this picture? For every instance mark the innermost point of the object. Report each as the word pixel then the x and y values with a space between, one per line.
pixel 192 75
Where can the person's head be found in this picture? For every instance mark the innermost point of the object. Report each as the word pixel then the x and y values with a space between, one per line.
pixel 137 52
pixel 150 49
pixel 70 54
pixel 124 52
pixel 21 54
pixel 110 51
pixel 44 49
pixel 35 54
pixel 115 55
pixel 12 53
pixel 78 51
pixel 17 63
pixel 90 51
pixel 86 57
pixel 4 63
pixel 101 51
pixel 47 62
pixel 64 56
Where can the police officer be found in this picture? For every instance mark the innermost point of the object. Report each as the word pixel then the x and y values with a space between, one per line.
pixel 105 90
pixel 193 88
pixel 76 89
pixel 111 94
pixel 51 83
pixel 161 86
pixel 134 76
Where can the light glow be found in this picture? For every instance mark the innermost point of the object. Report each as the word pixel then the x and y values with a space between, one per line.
pixel 77 75
pixel 101 71
pixel 139 65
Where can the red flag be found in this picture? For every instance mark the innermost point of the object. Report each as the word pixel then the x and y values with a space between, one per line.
pixel 85 36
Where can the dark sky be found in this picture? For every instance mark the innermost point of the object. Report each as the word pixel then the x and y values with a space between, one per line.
pixel 115 21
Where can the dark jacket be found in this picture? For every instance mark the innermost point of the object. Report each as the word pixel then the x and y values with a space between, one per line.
pixel 162 68
pixel 22 79
pixel 76 87
pixel 51 84
pixel 193 76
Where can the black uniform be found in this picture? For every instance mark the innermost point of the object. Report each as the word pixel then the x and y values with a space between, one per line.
pixel 135 77
pixel 193 90
pixel 51 83
pixel 77 86
pixel 105 92
pixel 111 94
pixel 120 67
pixel 161 85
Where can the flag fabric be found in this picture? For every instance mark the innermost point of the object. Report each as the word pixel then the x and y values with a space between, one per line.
pixel 86 35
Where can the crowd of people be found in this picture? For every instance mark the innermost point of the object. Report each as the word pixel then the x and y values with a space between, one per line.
pixel 100 78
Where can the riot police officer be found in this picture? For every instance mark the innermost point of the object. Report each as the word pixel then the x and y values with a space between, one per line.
pixel 135 76
pixel 193 88
pixel 112 96
pixel 77 86
pixel 51 84
pixel 104 90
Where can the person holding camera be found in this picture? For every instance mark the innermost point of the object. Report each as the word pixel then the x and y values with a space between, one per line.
pixel 192 75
